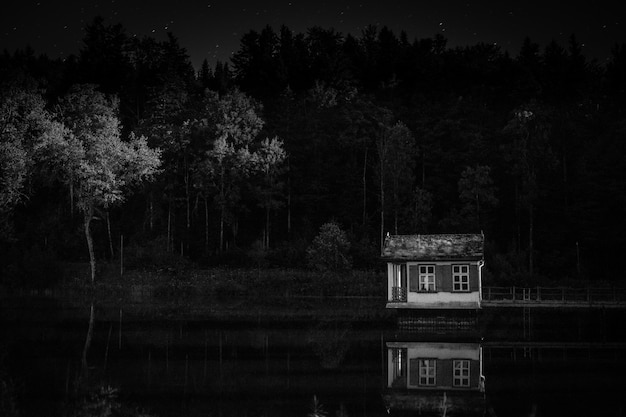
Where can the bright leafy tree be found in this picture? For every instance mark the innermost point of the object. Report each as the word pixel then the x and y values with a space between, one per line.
pixel 92 157
pixel 24 123
pixel 232 124
pixel 269 159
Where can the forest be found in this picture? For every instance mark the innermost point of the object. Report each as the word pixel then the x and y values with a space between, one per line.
pixel 126 144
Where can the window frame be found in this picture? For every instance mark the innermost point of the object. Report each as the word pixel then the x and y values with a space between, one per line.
pixel 460 278
pixel 427 372
pixel 461 373
pixel 426 279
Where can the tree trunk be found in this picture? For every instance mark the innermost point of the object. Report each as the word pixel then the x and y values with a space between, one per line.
pixel 235 231
pixel 222 208
pixel 151 216
pixel 530 239
pixel 382 208
pixel 71 199
pixel 206 225
pixel 423 170
pixel 92 256
pixel 288 198
pixel 478 212
pixel 169 226
pixel 365 187
pixel 267 228
pixel 395 206
pixel 112 253
pixel 221 228
pixel 187 200
pixel 395 220
pixel 518 228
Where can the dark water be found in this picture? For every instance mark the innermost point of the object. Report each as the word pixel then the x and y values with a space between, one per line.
pixel 306 358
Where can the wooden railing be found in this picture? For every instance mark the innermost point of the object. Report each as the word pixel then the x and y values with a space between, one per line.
pixel 398 294
pixel 560 295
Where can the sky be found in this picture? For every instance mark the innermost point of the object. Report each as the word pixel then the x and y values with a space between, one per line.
pixel 212 29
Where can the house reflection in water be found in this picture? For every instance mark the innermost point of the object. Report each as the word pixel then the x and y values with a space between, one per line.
pixel 435 378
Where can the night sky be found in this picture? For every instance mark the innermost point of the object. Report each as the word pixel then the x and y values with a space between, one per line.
pixel 212 29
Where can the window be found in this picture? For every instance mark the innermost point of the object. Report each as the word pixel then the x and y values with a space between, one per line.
pixel 427 278
pixel 427 372
pixel 461 377
pixel 460 278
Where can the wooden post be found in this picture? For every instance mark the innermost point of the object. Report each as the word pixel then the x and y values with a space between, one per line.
pixel 288 369
pixel 186 374
pixel 149 367
pixel 121 255
pixel 119 339
pixel 206 342
pixel 220 355
pixel 538 293
pixel 513 293
pixel 267 355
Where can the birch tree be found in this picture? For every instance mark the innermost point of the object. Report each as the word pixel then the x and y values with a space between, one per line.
pixel 93 159
pixel 269 158
pixel 233 124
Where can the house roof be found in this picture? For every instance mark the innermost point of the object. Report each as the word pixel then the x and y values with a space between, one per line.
pixel 434 247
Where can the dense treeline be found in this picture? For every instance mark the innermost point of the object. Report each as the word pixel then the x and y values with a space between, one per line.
pixel 377 133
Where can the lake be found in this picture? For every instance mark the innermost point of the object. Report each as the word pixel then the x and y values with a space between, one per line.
pixel 304 357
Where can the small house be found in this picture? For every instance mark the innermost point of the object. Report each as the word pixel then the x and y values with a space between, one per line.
pixel 439 271
pixel 435 378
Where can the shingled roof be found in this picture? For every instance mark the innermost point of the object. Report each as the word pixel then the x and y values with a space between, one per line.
pixel 434 247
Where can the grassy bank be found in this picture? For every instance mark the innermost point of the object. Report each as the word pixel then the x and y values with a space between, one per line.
pixel 219 294
pixel 227 282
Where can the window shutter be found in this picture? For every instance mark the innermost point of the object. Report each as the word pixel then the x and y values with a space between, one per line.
pixel 445 371
pixel 444 278
pixel 474 373
pixel 414 372
pixel 473 277
pixel 413 278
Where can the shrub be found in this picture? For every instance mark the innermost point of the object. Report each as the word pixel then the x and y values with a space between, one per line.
pixel 330 250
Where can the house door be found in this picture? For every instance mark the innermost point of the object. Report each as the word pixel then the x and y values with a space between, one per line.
pixel 399 282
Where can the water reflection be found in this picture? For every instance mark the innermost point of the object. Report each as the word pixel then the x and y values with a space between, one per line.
pixel 434 377
pixel 496 362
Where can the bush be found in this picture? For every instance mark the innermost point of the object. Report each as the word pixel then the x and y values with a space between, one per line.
pixel 330 250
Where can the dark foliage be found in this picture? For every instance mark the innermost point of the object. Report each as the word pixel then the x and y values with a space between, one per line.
pixel 553 183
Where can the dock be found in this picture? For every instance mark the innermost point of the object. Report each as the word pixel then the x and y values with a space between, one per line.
pixel 554 297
